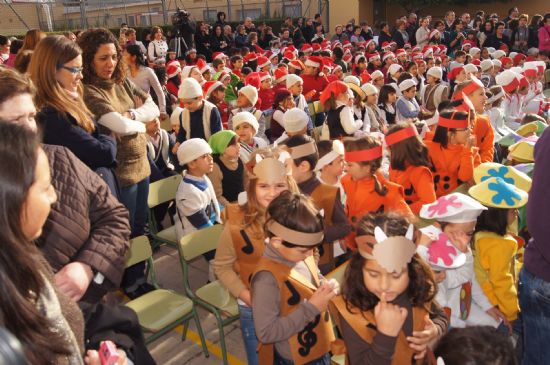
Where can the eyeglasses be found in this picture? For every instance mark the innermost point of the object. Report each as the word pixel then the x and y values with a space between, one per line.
pixel 73 70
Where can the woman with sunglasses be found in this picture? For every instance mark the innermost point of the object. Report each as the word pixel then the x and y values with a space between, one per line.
pixel 65 120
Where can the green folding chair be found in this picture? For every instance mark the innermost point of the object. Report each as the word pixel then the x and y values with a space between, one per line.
pixel 160 192
pixel 338 273
pixel 213 296
pixel 160 310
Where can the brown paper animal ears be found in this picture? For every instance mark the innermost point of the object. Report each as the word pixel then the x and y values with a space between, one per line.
pixel 270 169
pixel 392 253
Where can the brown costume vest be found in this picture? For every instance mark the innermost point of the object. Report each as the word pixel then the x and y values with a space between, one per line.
pixel 364 324
pixel 315 339
pixel 324 197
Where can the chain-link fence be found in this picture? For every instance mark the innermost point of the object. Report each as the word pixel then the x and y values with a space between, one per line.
pixel 83 14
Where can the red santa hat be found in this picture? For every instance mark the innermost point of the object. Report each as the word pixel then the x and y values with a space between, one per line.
pixel 385 45
pixel 334 89
pixel 427 51
pixel 541 66
pixel 505 61
pixel 264 76
pixel 400 52
pixel 522 81
pixel 346 44
pixel 376 75
pixel 508 80
pixel 316 47
pixel 209 87
pixel 518 58
pixel 297 64
pixel 280 74
pixel 417 56
pixel 202 65
pixel 314 61
pixel 469 43
pixel 307 48
pixel 289 55
pixel 367 43
pixel 263 61
pixel 365 77
pixel 325 43
pixel 253 79
pixel 250 56
pixel 373 56
pixel 223 75
pixel 442 49
pixel 530 69
pixel 348 57
pixel 173 68
pixel 388 55
pixel 359 57
pixel 455 71
pixel 218 55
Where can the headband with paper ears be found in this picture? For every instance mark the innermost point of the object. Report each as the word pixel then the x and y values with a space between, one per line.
pixel 392 253
pixel 337 151
pixel 270 169
pixel 302 150
pixel 295 237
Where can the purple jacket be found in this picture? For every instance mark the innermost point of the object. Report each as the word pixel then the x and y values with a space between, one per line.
pixel 537 252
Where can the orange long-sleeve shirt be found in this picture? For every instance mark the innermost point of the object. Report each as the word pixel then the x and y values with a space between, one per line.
pixel 418 185
pixel 452 166
pixel 361 198
pixel 485 137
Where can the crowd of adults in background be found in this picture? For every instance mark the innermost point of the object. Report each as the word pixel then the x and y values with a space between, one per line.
pixel 98 99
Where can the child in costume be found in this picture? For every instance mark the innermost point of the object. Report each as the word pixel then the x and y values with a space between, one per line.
pixel 227 175
pixel 196 203
pixel 241 243
pixel 295 85
pixel 282 102
pixel 214 92
pixel 451 152
pixel 388 296
pixel 455 215
pixel 303 151
pixel 386 103
pixel 340 118
pixel 246 127
pixel 435 91
pixel 246 101
pixel 503 190
pixel 407 106
pixel 289 296
pixel 410 165
pixel 375 114
pixel 367 190
pixel 330 166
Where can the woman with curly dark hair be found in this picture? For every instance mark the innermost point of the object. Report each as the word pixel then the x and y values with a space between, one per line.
pixel 119 105
pixel 386 312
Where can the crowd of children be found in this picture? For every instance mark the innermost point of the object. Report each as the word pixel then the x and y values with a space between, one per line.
pixel 407 137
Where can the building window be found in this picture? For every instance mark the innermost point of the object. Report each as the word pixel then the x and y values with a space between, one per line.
pixel 294 11
pixel 70 23
pixel 209 15
pixel 144 20
pixel 249 13
pixel 131 20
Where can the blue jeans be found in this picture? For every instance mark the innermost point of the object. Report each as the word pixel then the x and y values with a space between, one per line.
pixel 534 301
pixel 249 334
pixel 323 360
pixel 134 198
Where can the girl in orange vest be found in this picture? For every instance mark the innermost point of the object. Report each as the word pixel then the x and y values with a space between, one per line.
pixel 241 244
pixel 452 151
pixel 366 189
pixel 386 313
pixel 289 295
pixel 410 165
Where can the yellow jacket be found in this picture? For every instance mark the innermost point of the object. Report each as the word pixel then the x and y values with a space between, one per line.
pixel 494 264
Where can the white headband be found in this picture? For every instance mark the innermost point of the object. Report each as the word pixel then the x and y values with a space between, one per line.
pixel 495 97
pixel 326 159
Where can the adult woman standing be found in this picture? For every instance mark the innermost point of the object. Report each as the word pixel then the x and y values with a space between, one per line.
pixel 32 37
pixel 400 35
pixel 143 76
pixel 122 107
pixel 544 33
pixel 242 241
pixel 63 115
pixel 157 48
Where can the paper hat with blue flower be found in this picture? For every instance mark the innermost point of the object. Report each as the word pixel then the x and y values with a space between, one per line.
pixel 441 254
pixel 453 208
pixel 497 193
pixel 509 174
pixel 523 151
pixel 527 129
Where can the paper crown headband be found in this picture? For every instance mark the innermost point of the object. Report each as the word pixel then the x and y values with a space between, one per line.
pixel 295 237
pixel 441 254
pixel 497 193
pixel 392 253
pixel 337 151
pixel 305 149
pixel 509 174
pixel 270 169
pixel 401 135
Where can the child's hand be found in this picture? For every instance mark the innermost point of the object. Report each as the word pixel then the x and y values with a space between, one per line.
pixel 389 317
pixel 471 142
pixel 420 340
pixel 322 296
pixel 460 240
pixel 92 358
pixel 498 316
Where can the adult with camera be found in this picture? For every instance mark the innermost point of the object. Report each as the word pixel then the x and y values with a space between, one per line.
pixel 183 31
